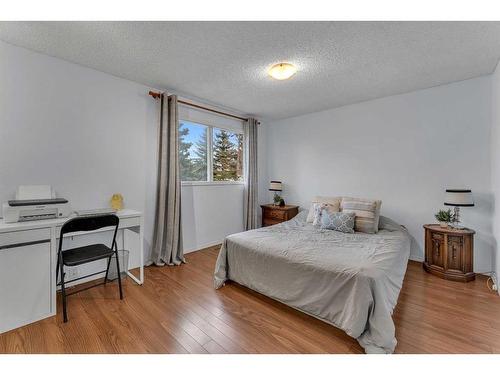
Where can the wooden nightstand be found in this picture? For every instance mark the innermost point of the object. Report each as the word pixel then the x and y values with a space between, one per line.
pixel 449 252
pixel 272 214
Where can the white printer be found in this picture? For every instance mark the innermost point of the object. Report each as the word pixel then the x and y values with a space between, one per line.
pixel 35 202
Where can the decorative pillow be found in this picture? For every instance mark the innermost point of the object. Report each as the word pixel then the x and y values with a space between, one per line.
pixel 339 221
pixel 334 202
pixel 318 211
pixel 367 213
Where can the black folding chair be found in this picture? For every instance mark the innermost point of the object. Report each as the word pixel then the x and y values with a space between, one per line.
pixel 86 254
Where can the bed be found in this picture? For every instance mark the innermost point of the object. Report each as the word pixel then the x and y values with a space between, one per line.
pixel 351 281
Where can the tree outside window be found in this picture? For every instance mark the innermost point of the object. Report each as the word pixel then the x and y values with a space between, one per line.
pixel 224 158
pixel 193 151
pixel 227 156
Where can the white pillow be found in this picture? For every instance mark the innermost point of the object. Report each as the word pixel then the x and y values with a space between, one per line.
pixel 332 202
pixel 321 209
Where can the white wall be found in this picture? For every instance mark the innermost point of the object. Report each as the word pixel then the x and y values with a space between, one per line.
pixel 495 164
pixel 84 132
pixel 210 212
pixel 89 135
pixel 403 149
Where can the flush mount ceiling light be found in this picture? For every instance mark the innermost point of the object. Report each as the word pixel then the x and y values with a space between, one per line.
pixel 282 71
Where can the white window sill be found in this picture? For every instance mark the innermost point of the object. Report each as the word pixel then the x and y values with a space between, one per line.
pixel 211 183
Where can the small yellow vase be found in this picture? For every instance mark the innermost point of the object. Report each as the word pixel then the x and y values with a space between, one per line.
pixel 117 202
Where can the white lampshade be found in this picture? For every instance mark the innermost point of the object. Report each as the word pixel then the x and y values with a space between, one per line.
pixel 275 186
pixel 458 198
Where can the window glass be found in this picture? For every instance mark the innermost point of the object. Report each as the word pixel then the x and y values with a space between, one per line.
pixel 193 154
pixel 227 155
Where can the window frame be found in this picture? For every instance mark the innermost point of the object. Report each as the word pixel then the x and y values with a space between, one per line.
pixel 210 161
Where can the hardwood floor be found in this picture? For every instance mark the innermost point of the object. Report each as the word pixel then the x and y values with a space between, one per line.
pixel 178 311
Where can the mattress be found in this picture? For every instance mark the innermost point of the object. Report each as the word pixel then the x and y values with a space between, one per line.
pixel 351 281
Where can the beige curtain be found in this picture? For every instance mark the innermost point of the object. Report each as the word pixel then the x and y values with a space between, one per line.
pixel 167 237
pixel 250 203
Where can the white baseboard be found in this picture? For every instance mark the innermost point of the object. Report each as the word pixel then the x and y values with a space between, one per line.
pixel 203 246
pixel 416 259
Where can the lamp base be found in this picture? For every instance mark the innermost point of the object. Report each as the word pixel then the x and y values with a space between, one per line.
pixel 456 219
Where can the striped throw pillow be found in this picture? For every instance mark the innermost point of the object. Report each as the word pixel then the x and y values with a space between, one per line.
pixel 367 213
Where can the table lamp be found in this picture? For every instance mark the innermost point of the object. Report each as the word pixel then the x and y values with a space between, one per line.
pixel 276 186
pixel 458 198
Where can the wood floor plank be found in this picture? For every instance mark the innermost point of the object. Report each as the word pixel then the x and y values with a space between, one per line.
pixel 213 348
pixel 178 304
pixel 178 311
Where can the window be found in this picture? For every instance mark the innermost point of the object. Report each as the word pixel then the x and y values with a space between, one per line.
pixel 193 151
pixel 227 155
pixel 209 154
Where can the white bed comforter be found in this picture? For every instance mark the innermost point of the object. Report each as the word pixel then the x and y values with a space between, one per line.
pixel 351 281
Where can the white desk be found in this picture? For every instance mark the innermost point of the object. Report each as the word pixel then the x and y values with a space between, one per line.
pixel 28 254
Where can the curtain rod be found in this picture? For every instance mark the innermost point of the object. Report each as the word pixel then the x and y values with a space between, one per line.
pixel 156 95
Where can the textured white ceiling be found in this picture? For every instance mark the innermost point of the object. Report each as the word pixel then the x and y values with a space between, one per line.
pixel 225 62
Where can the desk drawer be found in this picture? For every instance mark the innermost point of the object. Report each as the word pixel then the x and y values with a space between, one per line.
pixel 24 237
pixel 129 222
pixel 25 285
